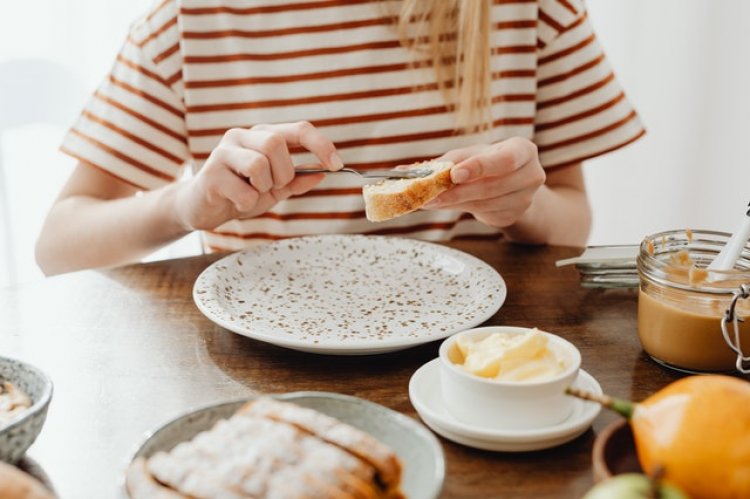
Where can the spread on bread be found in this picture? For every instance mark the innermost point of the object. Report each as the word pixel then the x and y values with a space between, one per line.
pixel 395 197
pixel 271 449
pixel 13 402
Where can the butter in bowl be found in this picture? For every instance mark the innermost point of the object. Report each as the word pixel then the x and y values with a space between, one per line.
pixel 508 377
pixel 503 389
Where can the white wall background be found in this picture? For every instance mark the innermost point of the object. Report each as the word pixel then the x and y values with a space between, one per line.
pixel 684 65
pixel 682 62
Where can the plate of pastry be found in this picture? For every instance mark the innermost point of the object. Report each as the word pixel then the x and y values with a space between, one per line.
pixel 300 444
pixel 349 294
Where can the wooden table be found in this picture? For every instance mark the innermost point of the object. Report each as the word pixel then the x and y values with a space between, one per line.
pixel 128 350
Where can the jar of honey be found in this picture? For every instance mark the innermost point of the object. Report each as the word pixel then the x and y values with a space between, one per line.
pixel 681 304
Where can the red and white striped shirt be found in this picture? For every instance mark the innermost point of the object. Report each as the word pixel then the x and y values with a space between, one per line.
pixel 191 69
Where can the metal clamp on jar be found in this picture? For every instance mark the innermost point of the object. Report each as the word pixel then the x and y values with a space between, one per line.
pixel 684 310
pixel 734 341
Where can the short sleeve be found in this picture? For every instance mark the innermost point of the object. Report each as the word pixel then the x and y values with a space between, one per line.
pixel 582 110
pixel 133 127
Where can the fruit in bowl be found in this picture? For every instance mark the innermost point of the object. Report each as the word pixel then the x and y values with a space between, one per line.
pixel 697 430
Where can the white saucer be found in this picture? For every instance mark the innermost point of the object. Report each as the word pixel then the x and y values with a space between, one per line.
pixel 424 393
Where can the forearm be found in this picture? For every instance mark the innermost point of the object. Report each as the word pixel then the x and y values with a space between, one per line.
pixel 559 214
pixel 84 232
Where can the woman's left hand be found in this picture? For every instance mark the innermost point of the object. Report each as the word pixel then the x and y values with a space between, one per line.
pixel 496 183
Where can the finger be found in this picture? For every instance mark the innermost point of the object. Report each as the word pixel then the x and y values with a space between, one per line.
pixel 236 190
pixel 454 156
pixel 248 164
pixel 496 161
pixel 474 191
pixel 516 201
pixel 458 155
pixel 499 219
pixel 271 144
pixel 305 183
pixel 304 134
pixel 300 185
pixel 528 176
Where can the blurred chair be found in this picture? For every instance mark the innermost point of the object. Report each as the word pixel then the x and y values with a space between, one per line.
pixel 32 91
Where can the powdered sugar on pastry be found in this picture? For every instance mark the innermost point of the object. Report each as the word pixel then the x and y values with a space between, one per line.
pixel 248 456
pixel 392 198
pixel 271 450
pixel 332 431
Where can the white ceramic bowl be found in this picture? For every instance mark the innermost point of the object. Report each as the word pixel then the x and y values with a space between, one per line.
pixel 19 434
pixel 507 405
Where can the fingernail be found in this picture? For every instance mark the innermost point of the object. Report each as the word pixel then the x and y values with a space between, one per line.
pixel 460 176
pixel 335 160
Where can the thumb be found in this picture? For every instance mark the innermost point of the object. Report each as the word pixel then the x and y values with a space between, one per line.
pixel 303 183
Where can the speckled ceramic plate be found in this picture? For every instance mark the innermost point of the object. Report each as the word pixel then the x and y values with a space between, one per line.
pixel 340 294
pixel 419 450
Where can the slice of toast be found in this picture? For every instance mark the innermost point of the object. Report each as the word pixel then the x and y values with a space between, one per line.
pixel 395 197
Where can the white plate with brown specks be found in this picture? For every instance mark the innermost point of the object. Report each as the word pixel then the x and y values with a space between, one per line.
pixel 349 295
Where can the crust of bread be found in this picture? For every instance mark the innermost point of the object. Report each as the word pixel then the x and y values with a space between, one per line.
pixel 140 484
pixel 382 205
pixel 356 442
pixel 20 485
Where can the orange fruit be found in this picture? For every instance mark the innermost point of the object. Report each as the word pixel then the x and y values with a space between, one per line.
pixel 698 429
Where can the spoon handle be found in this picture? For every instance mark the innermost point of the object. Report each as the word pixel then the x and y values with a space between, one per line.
pixel 728 256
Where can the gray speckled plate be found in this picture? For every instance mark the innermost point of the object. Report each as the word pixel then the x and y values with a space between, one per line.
pixel 419 450
pixel 339 294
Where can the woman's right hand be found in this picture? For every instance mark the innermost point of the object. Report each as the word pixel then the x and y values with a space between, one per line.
pixel 249 172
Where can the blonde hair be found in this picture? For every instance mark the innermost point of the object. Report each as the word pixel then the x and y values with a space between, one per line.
pixel 455 37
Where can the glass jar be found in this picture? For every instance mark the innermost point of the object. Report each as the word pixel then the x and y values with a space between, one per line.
pixel 681 305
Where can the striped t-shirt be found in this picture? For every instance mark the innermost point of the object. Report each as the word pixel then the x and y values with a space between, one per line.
pixel 192 69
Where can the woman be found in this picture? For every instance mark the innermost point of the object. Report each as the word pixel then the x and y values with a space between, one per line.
pixel 516 93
